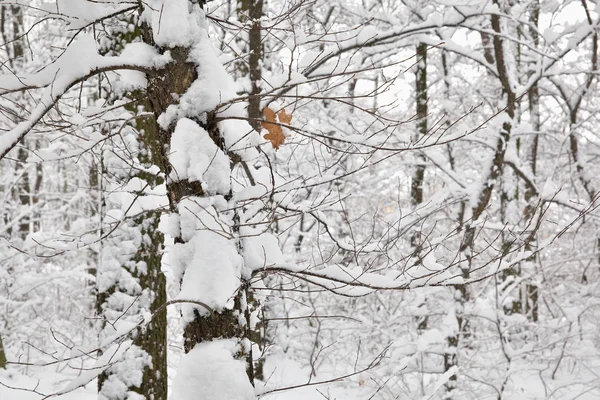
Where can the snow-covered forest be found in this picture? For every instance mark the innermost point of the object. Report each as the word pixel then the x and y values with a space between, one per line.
pixel 299 199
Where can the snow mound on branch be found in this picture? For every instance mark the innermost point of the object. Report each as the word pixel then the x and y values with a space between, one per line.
pixel 172 23
pixel 260 249
pixel 210 372
pixel 208 263
pixel 45 382
pixel 213 86
pixel 195 156
pixel 239 136
pixel 212 269
pixel 78 14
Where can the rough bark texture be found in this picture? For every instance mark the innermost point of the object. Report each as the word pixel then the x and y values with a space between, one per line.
pixel 176 79
pixel 153 339
pixel 251 11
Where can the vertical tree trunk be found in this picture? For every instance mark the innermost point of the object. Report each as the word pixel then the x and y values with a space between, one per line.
pixel 251 11
pixel 416 189
pixel 222 327
pixel 23 188
pixel 530 291
pixel 489 181
pixel 11 29
pixel 138 275
pixel 2 355
pixel 418 178
pixel 574 106
pixel 450 357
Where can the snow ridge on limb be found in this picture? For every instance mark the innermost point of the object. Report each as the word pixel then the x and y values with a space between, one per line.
pixel 80 62
pixel 355 282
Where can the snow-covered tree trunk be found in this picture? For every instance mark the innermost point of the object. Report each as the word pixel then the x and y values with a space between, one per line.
pixel 488 183
pixel 13 33
pixel 206 256
pixel 130 283
pixel 11 30
pixel 573 102
pixel 531 197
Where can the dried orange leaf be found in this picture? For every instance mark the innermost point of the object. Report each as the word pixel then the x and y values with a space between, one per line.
pixel 269 114
pixel 284 118
pixel 275 135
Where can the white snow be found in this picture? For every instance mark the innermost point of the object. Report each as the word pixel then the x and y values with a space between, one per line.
pixel 260 249
pixel 207 263
pixel 210 372
pixel 194 156
pixel 80 60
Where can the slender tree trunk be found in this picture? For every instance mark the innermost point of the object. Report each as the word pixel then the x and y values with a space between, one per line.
pixel 573 103
pixel 416 189
pixel 530 291
pixel 2 355
pixel 467 247
pixel 23 188
pixel 11 28
pixel 418 178
pixel 251 11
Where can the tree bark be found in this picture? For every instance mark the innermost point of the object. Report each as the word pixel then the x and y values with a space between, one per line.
pixel 2 355
pixel 164 88
pixel 144 266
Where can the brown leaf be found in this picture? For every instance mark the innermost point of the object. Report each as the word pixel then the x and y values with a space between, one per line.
pixel 284 118
pixel 275 135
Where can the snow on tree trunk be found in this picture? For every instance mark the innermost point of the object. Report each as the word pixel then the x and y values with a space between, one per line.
pixel 207 257
pixel 131 284
pixel 531 197
pixel 250 12
pixel 480 203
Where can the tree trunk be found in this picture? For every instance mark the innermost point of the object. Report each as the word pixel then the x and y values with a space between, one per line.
pixel 2 355
pixel 140 278
pixel 252 11
pixel 222 327
pixel 530 291
pixel 467 247
pixel 416 189
pixel 418 178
